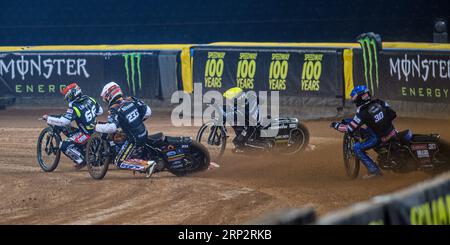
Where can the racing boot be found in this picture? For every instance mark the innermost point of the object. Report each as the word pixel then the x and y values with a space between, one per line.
pixel 79 166
pixel 372 175
pixel 139 165
pixel 239 145
pixel 150 168
pixel 238 149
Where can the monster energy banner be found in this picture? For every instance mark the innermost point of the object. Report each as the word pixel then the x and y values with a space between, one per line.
pixel 45 74
pixel 314 73
pixel 139 72
pixel 429 207
pixel 362 214
pixel 371 47
pixel 404 75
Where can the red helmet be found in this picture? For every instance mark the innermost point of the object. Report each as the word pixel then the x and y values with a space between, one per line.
pixel 71 92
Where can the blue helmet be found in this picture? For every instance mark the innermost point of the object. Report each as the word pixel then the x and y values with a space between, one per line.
pixel 360 95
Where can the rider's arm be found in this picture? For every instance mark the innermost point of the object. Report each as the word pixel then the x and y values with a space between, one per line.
pixel 143 108
pixel 106 128
pixel 148 112
pixel 110 126
pixel 391 113
pixel 63 120
pixel 350 126
pixel 98 108
pixel 58 121
pixel 354 124
pixel 227 113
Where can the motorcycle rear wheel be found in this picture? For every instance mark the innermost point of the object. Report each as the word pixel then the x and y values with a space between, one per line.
pixel 199 160
pixel 48 151
pixel 300 142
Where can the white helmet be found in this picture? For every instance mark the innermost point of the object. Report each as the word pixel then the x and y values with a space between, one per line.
pixel 111 91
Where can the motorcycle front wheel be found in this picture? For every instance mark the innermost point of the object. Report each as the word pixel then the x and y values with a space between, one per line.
pixel 214 138
pixel 351 161
pixel 97 157
pixel 48 151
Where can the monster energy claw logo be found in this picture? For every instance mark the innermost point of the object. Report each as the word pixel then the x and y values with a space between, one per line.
pixel 371 46
pixel 133 70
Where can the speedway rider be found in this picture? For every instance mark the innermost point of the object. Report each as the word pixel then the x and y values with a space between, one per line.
pixel 377 115
pixel 127 113
pixel 83 110
pixel 242 106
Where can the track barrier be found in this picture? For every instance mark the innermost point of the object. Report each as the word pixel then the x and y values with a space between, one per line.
pixel 313 79
pixel 426 203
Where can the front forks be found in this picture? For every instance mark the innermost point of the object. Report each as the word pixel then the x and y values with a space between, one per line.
pixel 213 139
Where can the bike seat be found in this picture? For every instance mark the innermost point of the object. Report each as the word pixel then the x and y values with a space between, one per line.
pixel 177 140
pixel 156 137
pixel 424 138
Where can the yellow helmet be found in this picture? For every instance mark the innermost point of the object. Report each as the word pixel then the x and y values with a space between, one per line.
pixel 233 93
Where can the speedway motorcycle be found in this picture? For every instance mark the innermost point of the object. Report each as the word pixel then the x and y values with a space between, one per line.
pixel 48 145
pixel 178 155
pixel 288 136
pixel 403 153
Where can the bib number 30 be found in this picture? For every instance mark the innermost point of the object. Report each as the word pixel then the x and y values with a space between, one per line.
pixel 379 117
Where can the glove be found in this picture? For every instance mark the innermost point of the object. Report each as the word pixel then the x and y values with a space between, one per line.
pixel 335 125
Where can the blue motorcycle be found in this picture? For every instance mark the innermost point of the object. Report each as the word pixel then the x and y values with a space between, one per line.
pixel 403 153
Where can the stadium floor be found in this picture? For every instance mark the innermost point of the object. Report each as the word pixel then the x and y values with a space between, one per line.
pixel 241 189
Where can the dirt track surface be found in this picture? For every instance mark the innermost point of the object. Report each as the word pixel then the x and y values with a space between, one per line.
pixel 241 189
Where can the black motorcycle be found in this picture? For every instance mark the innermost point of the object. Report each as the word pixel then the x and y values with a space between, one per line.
pixel 178 155
pixel 403 153
pixel 286 136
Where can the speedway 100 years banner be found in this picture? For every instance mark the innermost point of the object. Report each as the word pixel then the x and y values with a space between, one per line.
pixel 44 74
pixel 405 75
pixel 315 73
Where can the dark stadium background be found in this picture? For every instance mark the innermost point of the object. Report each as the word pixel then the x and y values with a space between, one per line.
pixel 169 21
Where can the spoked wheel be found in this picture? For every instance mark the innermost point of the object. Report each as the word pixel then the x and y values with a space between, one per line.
pixel 298 141
pixel 214 138
pixel 97 157
pixel 351 161
pixel 197 161
pixel 48 151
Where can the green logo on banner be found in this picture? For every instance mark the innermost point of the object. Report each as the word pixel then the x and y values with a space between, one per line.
pixel 371 47
pixel 133 72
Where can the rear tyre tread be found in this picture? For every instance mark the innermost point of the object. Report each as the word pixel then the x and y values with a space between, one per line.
pixel 195 146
